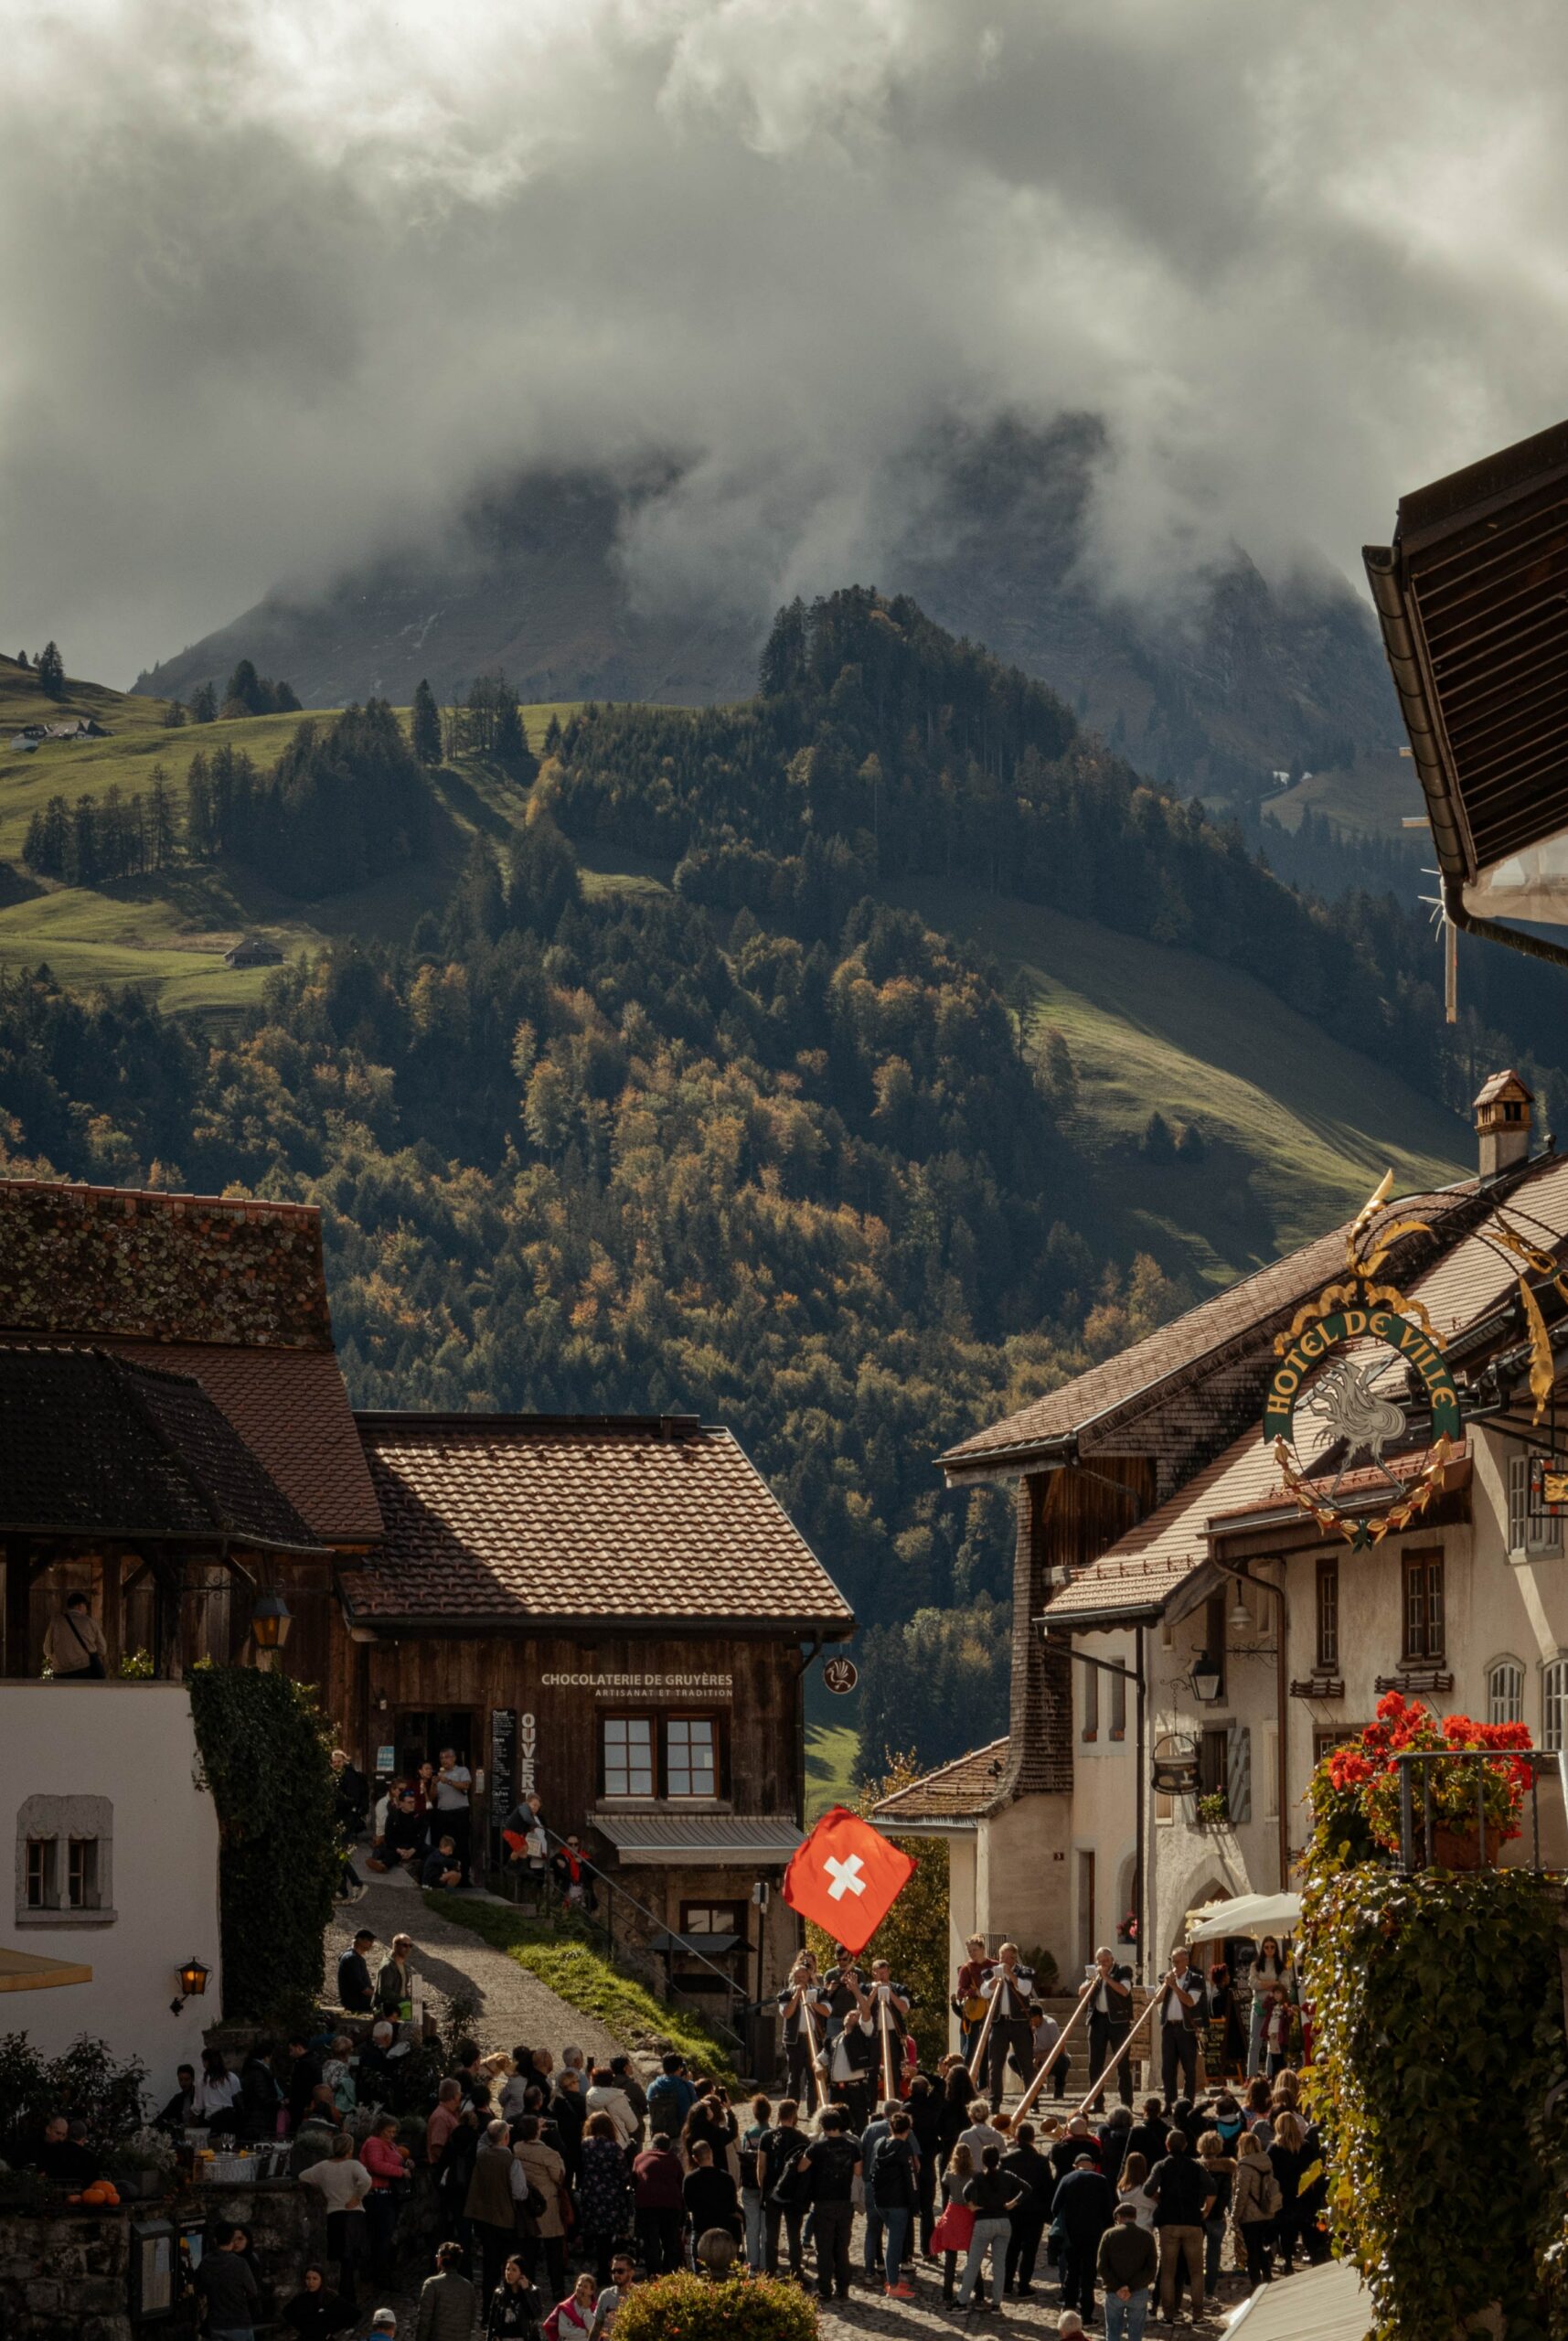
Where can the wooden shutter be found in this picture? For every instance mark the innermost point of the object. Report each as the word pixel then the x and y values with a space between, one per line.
pixel 1238 1773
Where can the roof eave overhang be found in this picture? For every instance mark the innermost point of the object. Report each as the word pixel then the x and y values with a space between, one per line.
pixel 963 1827
pixel 225 1540
pixel 388 1626
pixel 1000 1465
pixel 1104 1620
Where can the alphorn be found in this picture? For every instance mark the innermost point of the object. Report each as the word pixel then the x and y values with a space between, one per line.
pixel 817 2081
pixel 889 2086
pixel 976 2063
pixel 1121 2052
pixel 1032 2092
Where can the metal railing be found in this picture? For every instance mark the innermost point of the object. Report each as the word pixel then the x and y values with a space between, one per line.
pixel 1421 1824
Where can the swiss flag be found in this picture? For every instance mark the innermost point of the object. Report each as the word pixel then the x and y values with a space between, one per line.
pixel 847 1877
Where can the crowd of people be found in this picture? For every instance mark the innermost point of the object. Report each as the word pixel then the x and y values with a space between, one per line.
pixel 550 2185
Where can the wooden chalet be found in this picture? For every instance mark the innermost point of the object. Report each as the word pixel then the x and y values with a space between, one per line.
pixel 1186 1638
pixel 614 1611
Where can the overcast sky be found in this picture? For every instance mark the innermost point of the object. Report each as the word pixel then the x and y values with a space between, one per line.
pixel 279 279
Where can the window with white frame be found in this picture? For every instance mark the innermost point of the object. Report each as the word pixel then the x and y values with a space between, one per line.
pixel 1528 1539
pixel 1555 1703
pixel 690 1756
pixel 65 1861
pixel 627 1746
pixel 1505 1691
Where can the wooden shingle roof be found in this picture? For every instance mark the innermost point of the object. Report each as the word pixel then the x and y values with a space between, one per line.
pixel 528 1520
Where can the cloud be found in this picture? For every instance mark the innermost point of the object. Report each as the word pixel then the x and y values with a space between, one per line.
pixel 282 281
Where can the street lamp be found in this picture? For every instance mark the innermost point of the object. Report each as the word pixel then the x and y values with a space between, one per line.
pixel 193 1977
pixel 1206 1678
pixel 270 1621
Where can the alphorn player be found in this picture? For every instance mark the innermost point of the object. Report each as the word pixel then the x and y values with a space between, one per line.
pixel 802 1991
pixel 1012 1987
pixel 1109 1991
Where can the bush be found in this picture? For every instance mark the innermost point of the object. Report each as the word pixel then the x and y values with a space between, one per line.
pixel 265 1752
pixel 744 2308
pixel 85 2083
pixel 1439 2032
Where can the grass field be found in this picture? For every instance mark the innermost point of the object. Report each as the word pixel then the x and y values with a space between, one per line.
pixel 1297 1130
pixel 830 1753
pixel 169 933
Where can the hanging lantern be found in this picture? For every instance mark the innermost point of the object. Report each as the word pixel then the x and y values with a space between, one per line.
pixel 270 1621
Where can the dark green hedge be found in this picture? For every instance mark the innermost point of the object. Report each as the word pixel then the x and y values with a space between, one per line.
pixel 265 1752
pixel 1439 2014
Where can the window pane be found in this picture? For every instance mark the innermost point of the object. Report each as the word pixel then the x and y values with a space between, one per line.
pixel 1518 1502
pixel 1434 1608
pixel 1505 1693
pixel 1553 1688
pixel 40 1849
pixel 628 1742
pixel 1327 1613
pixel 81 1893
pixel 1118 1708
pixel 688 1748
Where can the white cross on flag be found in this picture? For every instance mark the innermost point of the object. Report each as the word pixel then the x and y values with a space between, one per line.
pixel 845 1878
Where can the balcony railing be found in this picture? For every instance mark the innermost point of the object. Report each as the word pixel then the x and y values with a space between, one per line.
pixel 1422 1825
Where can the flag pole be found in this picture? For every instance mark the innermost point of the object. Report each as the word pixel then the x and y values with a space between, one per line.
pixel 1058 2044
pixel 1122 2051
pixel 887 2014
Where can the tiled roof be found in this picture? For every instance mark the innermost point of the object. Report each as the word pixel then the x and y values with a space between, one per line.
pixel 94 1444
pixel 1139 1373
pixel 160 1267
pixel 957 1792
pixel 521 1520
pixel 721 1840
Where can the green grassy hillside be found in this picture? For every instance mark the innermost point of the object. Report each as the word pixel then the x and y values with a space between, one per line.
pixel 1296 1129
pixel 169 933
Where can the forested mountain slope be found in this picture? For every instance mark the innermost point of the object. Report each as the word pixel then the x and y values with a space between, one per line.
pixel 765 1062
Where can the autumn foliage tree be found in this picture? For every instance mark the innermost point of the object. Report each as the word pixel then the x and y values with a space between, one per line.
pixel 913 1938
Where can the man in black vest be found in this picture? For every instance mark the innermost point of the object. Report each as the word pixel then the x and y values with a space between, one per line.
pixel 1109 1991
pixel 1012 1987
pixel 1180 2003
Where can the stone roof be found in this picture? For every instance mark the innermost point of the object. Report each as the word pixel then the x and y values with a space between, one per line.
pixel 1132 1381
pixel 160 1267
pixel 526 1520
pixel 954 1793
pixel 93 1445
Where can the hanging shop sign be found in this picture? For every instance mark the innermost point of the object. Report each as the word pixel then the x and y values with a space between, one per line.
pixel 840 1675
pixel 1363 1413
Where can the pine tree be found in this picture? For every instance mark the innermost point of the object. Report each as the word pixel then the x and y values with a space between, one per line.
pixel 198 831
pixel 204 704
pixel 21 658
pixel 510 745
pixel 174 716
pixel 425 725
pixel 553 735
pixel 81 867
pixel 286 699
pixel 56 837
pixel 161 836
pixel 51 672
pixel 243 694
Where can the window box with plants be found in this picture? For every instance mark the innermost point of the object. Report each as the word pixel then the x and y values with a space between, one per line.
pixel 1213 1810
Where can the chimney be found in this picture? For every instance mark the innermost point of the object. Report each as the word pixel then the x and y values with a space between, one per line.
pixel 1502 1124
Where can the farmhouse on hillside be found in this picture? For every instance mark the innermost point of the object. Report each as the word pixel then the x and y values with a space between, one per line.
pixel 1187 1639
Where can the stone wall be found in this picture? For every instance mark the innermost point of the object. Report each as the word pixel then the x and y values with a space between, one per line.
pixel 64 2274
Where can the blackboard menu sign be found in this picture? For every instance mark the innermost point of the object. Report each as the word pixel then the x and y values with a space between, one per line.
pixel 503 1771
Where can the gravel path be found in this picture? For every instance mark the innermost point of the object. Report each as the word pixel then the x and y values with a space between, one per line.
pixel 514 2006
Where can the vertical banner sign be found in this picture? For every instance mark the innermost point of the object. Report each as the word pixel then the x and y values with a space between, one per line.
pixel 503 1772
pixel 528 1744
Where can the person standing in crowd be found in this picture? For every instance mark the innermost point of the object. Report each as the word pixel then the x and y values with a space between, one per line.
pixel 1109 1991
pixel 753 2140
pixel 1132 2188
pixel 842 1990
pixel 387 2163
pixel 1269 1969
pixel 447 2299
pixel 801 2009
pixel 779 2150
pixel 709 2196
pixel 605 2095
pixel 832 2163
pixel 569 2112
pixel 968 2000
pixel 1183 2197
pixel 850 2066
pixel 891 2188
pixel 572 2318
pixel 672 2096
pixel 545 2171
pixel 980 2134
pixel 924 2107
pixel 1225 2052
pixel 441 2120
pixel 990 2195
pixel 1127 2263
pixel 344 2184
pixel 606 2201
pixel 74 1646
pixel 1012 1987
pixel 1220 2172
pixel 304 2078
pixel 1044 2033
pixel 513 2314
pixel 1255 2203
pixel 955 2226
pixel 658 2182
pixel 1298 2161
pixel 450 1791
pixel 1024 2162
pixel 1277 2032
pixel 1084 2205
pixel 316 2311
pixel 1180 1999
pixel 226 2283
pixel 622 2078
pixel 496 2188
pixel 607 2307
pixel 886 2011
pixel 356 1990
pixel 217 2094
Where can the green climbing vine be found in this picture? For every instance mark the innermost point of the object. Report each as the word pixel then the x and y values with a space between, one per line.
pixel 264 1749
